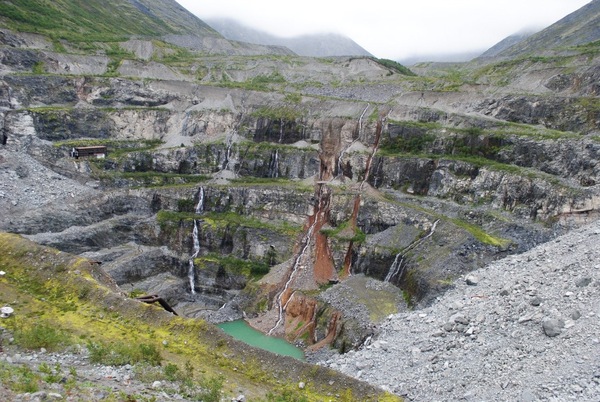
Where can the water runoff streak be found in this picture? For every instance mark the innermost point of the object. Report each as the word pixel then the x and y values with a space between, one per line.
pixel 360 128
pixel 398 264
pixel 295 267
pixel 274 165
pixel 196 241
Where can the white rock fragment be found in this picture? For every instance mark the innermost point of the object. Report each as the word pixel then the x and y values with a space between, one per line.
pixel 6 312
pixel 472 280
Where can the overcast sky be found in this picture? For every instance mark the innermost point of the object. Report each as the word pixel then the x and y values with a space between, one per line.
pixel 398 29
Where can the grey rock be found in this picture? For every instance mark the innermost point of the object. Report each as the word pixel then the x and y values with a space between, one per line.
pixel 528 396
pixel 535 301
pixel 40 395
pixel 459 319
pixel 583 282
pixel 552 326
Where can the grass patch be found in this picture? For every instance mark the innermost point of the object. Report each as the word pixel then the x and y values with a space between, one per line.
pixel 19 379
pixel 248 268
pixel 151 179
pixel 120 353
pixel 344 232
pixel 480 234
pixel 394 66
pixel 285 113
pixel 221 220
pixel 36 335
pixel 262 83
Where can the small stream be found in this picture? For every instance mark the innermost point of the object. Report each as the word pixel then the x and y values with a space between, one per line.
pixel 241 331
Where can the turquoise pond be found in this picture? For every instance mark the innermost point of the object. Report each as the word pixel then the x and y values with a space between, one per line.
pixel 240 330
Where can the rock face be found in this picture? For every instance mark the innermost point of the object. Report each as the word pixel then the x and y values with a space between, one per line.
pixel 492 341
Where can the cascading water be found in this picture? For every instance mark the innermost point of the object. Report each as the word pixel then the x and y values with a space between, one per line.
pixel 274 164
pixel 395 267
pixel 227 154
pixel 398 264
pixel 360 127
pixel 295 266
pixel 200 205
pixel 196 241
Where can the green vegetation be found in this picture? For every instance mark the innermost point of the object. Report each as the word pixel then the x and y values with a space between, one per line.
pixel 39 335
pixel 221 220
pixel 480 234
pixel 120 353
pixel 19 379
pixel 45 285
pixel 394 66
pixel 345 232
pixel 257 83
pixel 39 68
pixel 151 178
pixel 248 268
pixel 285 112
pixel 84 20
pixel 116 146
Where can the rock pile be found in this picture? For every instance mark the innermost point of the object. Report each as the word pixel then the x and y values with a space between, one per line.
pixel 525 328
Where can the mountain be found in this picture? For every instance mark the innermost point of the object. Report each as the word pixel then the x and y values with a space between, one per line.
pixel 316 45
pixel 94 19
pixel 505 44
pixel 581 27
pixel 84 22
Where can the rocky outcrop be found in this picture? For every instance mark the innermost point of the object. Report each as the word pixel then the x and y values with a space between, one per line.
pixel 564 114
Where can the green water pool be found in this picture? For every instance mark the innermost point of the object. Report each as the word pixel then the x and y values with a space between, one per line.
pixel 240 330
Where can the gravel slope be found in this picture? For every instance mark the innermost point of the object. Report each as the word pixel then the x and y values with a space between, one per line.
pixel 525 328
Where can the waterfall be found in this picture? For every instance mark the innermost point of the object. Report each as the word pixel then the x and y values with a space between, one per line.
pixel 360 126
pixel 280 130
pixel 195 241
pixel 200 205
pixel 274 164
pixel 192 276
pixel 397 266
pixel 225 165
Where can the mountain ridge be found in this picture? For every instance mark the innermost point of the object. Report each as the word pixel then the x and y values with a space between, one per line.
pixel 578 28
pixel 315 45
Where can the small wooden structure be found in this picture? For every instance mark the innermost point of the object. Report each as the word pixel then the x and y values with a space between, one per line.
pixel 97 151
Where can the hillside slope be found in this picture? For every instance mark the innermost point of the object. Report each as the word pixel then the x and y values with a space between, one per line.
pixel 578 28
pixel 521 329
pixel 71 308
pixel 91 20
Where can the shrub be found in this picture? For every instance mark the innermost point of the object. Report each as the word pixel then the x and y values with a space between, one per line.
pixel 211 389
pixel 119 354
pixel 20 379
pixel 41 335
